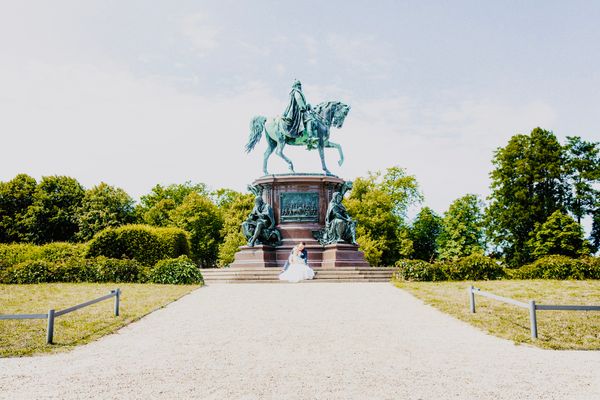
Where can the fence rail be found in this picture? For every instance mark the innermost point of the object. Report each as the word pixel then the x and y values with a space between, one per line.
pixel 52 314
pixel 532 306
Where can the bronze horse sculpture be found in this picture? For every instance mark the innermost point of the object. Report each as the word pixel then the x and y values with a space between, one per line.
pixel 326 115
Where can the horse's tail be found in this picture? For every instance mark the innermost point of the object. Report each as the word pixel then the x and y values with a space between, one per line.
pixel 257 125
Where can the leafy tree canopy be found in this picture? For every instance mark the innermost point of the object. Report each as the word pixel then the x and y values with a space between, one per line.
pixel 528 185
pixel 424 233
pixel 235 208
pixel 16 196
pixel 52 217
pixel 559 235
pixel 103 206
pixel 379 203
pixel 462 229
pixel 174 192
pixel 199 216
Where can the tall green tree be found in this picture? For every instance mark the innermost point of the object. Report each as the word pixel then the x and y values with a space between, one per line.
pixel 561 235
pixel 155 206
pixel 53 214
pixel 379 203
pixel 235 208
pixel 583 172
pixel 16 196
pixel 103 206
pixel 528 185
pixel 199 216
pixel 424 234
pixel 462 231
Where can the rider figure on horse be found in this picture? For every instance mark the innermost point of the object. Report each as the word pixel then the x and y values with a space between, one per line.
pixel 299 116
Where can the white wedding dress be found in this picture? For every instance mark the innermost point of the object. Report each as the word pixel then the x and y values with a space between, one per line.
pixel 296 271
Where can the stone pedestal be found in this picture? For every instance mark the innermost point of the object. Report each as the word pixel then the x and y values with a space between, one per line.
pixel 343 255
pixel 259 256
pixel 299 203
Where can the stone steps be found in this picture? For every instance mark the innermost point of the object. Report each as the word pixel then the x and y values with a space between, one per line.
pixel 266 275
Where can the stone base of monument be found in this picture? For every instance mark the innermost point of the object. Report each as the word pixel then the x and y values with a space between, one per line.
pixel 258 256
pixel 299 203
pixel 343 255
pixel 326 257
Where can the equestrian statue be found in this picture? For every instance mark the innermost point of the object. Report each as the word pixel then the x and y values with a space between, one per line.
pixel 299 125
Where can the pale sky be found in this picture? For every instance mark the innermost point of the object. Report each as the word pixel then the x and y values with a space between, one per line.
pixel 135 93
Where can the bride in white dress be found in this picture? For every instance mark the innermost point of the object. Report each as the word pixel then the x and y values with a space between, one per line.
pixel 297 270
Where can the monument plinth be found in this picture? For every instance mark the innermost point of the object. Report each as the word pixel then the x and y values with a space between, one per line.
pixel 299 203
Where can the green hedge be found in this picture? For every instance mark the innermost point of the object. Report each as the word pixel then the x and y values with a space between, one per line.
pixel 12 254
pixel 35 271
pixel 180 271
pixel 473 267
pixel 420 271
pixel 143 243
pixel 99 269
pixel 479 267
pixel 560 267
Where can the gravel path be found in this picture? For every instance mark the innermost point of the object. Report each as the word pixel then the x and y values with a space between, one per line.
pixel 302 341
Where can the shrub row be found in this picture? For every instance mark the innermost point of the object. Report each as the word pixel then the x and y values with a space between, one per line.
pixel 479 267
pixel 142 243
pixel 559 267
pixel 11 254
pixel 180 270
pixel 473 267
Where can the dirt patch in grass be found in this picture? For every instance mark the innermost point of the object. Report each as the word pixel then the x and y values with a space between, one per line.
pixel 573 330
pixel 28 337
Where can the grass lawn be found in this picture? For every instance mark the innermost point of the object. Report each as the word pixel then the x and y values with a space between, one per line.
pixel 576 330
pixel 27 337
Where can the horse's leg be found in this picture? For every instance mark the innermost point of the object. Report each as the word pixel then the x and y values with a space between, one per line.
pixel 339 149
pixel 322 155
pixel 271 144
pixel 279 152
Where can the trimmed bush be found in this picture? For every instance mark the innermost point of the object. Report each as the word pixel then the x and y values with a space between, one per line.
pixel 181 271
pixel 74 271
pixel 590 267
pixel 145 244
pixel 99 269
pixel 113 270
pixel 560 267
pixel 476 267
pixel 28 272
pixel 12 254
pixel 61 251
pixel 420 271
pixel 473 267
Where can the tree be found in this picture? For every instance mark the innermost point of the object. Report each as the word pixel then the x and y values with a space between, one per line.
pixel 235 208
pixel 16 196
pixel 424 233
pixel 560 235
pixel 403 189
pixel 153 207
pixel 199 216
pixel 528 185
pixel 53 214
pixel 160 213
pixel 595 234
pixel 103 206
pixel 462 229
pixel 583 169
pixel 379 203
